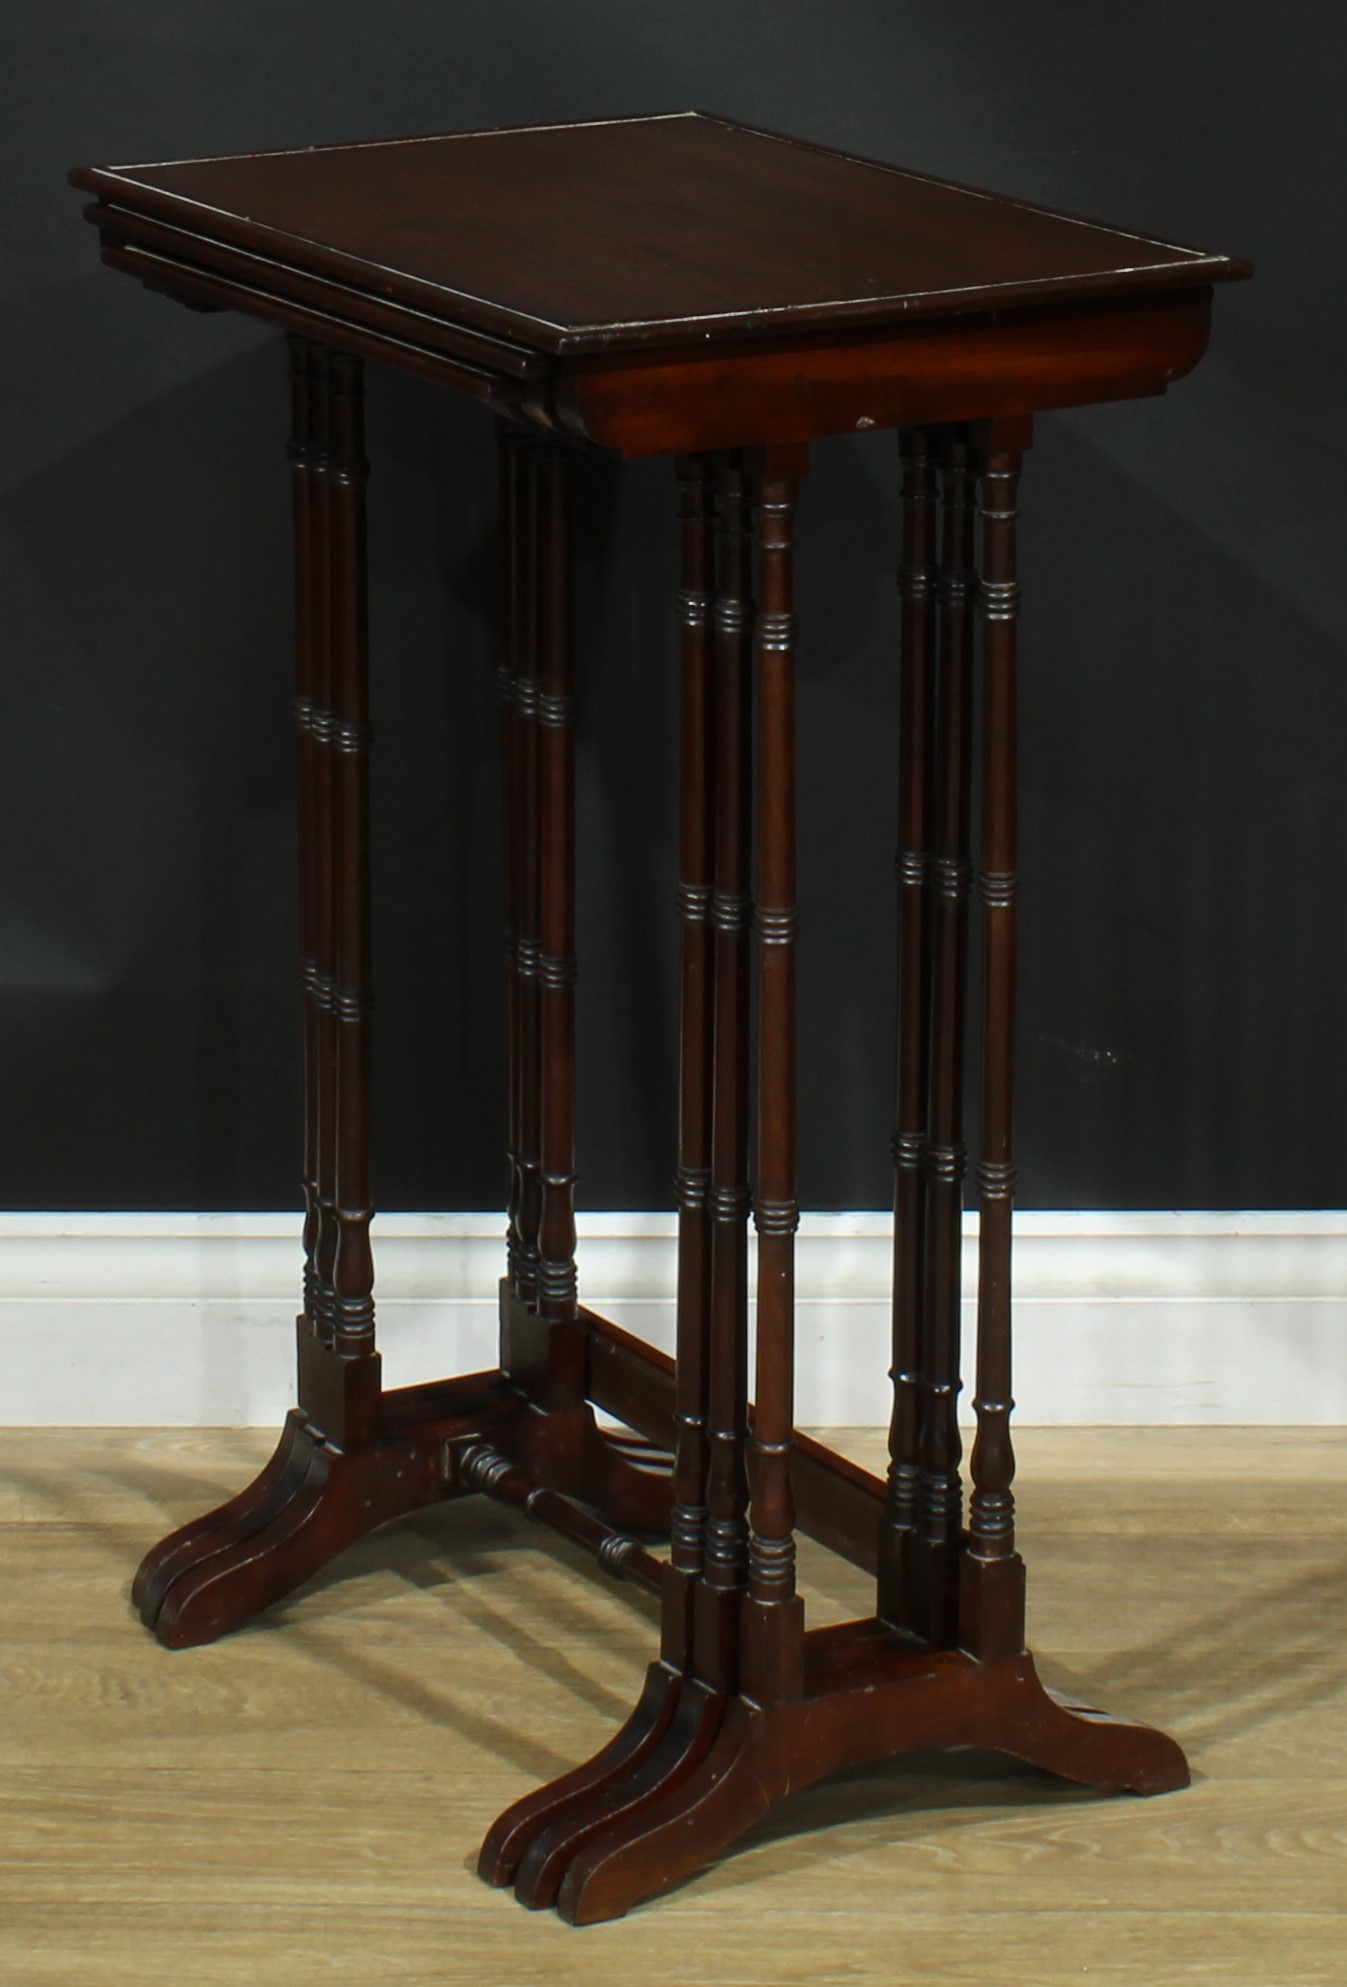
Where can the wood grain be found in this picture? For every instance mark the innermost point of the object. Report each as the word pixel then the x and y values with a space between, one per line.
pixel 312 1792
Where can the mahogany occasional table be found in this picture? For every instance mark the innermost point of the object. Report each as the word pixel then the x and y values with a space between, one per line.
pixel 681 286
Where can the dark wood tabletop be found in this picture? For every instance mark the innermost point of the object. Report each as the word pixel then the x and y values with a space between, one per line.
pixel 603 236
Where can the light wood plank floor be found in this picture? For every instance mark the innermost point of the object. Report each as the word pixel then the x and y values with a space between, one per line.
pixel 306 1799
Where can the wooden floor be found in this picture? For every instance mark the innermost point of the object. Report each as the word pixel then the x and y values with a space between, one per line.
pixel 306 1799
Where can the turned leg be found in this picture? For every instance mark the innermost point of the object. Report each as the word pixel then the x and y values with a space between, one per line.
pixel 509 452
pixel 727 1376
pixel 934 1558
pixel 540 1337
pixel 543 1338
pixel 774 1614
pixel 339 1386
pixel 991 1613
pixel 317 856
pixel 353 1269
pixel 696 1020
pixel 542 1345
pixel 526 829
pixel 916 717
pixel 308 767
pixel 556 933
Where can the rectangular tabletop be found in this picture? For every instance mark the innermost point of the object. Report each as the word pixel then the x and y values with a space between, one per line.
pixel 605 236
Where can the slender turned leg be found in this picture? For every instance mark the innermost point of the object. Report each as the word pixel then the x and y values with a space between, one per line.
pixel 353 1268
pixel 716 1630
pixel 542 1340
pixel 528 1053
pixel 696 1021
pixel 542 1336
pixel 774 1616
pixel 917 707
pixel 556 932
pixel 509 477
pixel 991 1611
pixel 934 1559
pixel 339 1384
pixel 319 855
pixel 307 766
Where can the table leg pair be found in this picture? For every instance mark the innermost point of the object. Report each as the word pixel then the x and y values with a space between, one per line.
pixel 353 1454
pixel 936 1581
pixel 744 1706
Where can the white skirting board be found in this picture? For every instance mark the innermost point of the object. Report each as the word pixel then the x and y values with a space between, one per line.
pixel 187 1320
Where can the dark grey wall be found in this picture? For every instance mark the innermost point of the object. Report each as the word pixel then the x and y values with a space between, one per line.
pixel 1184 941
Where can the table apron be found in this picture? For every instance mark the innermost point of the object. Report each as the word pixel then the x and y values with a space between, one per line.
pixel 961 369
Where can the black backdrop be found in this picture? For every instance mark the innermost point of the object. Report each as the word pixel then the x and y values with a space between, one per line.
pixel 1185 706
